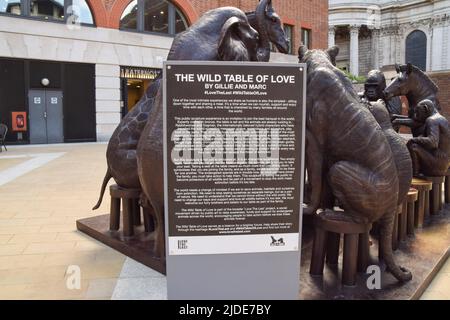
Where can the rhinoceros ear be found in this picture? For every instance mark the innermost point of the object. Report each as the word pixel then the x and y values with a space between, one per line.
pixel 409 68
pixel 333 53
pixel 228 44
pixel 302 50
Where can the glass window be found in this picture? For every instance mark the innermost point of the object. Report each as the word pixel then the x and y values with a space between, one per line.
pixel 180 22
pixel 306 38
pixel 10 6
pixel 416 49
pixel 288 31
pixel 81 10
pixel 47 9
pixel 130 16
pixel 70 11
pixel 156 16
pixel 159 16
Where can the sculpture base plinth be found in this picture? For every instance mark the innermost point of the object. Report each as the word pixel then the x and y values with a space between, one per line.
pixel 424 255
pixel 139 247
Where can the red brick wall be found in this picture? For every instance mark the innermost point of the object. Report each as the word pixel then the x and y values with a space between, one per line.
pixel 307 14
pixel 442 79
pixel 310 14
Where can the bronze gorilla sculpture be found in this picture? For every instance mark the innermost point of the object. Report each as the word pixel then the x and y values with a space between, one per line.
pixel 374 90
pixel 121 152
pixel 346 147
pixel 150 147
pixel 431 151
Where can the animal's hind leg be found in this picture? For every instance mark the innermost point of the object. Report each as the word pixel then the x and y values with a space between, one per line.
pixel 364 194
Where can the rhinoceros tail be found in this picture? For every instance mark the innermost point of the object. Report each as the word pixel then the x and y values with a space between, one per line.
pixel 108 177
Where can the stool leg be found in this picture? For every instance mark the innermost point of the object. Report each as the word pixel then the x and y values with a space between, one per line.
pixel 363 252
pixel 447 189
pixel 128 224
pixel 318 253
pixel 419 210
pixel 434 200
pixel 136 212
pixel 350 259
pixel 427 204
pixel 403 222
pixel 114 217
pixel 410 214
pixel 441 206
pixel 333 242
pixel 149 224
pixel 395 233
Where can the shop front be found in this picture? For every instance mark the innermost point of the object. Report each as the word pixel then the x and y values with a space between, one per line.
pixel 134 83
pixel 47 102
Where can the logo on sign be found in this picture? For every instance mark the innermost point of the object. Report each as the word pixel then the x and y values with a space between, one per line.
pixel 54 100
pixel 277 243
pixel 37 100
pixel 182 244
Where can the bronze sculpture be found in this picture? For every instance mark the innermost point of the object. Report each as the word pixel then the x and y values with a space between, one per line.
pixel 401 154
pixel 431 150
pixel 268 24
pixel 346 148
pixel 374 90
pixel 121 153
pixel 416 86
pixel 189 45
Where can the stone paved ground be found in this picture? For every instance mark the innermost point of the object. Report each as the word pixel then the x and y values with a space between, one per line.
pixel 43 191
pixel 38 237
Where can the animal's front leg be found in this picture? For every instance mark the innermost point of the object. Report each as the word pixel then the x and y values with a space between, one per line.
pixel 314 165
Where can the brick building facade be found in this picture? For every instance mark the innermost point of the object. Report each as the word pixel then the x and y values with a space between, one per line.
pixel 442 79
pixel 310 15
pixel 95 58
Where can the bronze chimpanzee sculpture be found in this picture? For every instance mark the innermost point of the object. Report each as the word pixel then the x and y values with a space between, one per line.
pixel 347 148
pixel 121 153
pixel 430 152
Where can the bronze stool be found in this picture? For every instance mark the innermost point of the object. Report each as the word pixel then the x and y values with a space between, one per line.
pixel 447 186
pixel 406 225
pixel 422 208
pixel 436 194
pixel 328 229
pixel 131 210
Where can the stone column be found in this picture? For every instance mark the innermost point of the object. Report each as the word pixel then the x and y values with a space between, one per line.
pixel 354 50
pixel 331 36
pixel 107 92
pixel 376 48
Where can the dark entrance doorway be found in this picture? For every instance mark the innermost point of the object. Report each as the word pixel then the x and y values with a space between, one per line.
pixel 46 116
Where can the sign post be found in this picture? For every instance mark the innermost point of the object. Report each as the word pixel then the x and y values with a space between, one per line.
pixel 234 163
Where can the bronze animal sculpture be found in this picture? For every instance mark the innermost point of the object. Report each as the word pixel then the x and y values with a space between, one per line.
pixel 121 155
pixel 430 151
pixel 374 90
pixel 346 147
pixel 416 86
pixel 401 154
pixel 121 151
pixel 268 24
pixel 206 37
